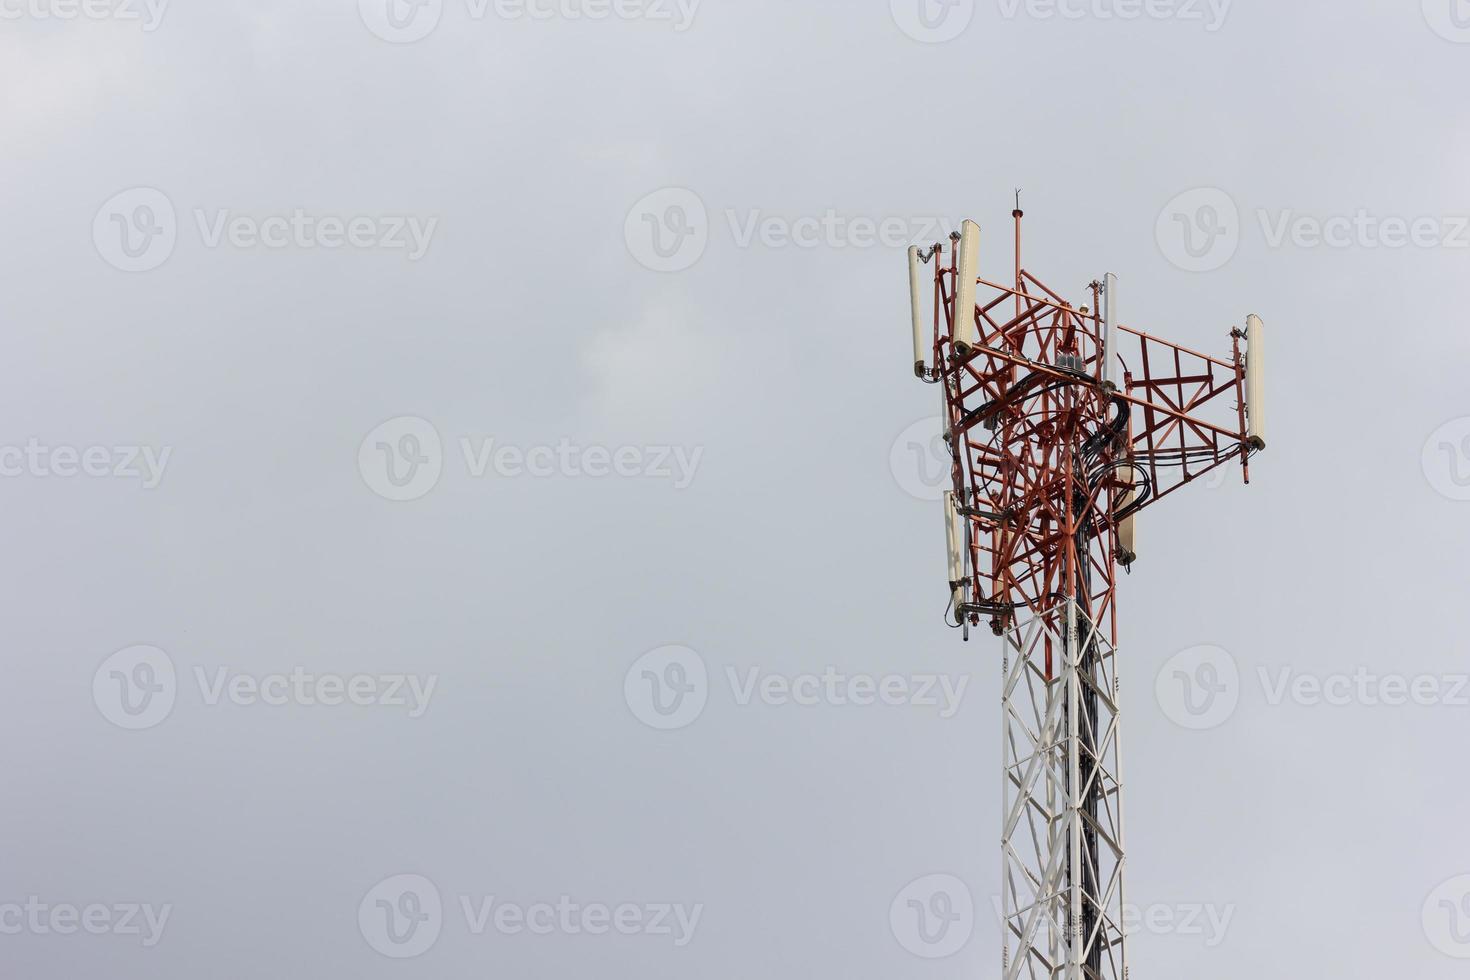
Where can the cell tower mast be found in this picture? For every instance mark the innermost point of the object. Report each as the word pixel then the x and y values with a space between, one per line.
pixel 1062 425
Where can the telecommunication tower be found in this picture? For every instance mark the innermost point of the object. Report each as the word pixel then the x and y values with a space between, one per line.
pixel 1062 425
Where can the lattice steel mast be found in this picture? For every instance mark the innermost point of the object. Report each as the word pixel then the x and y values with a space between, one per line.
pixel 1062 425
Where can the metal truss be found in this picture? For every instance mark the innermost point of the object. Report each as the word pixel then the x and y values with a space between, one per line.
pixel 1062 425
pixel 1062 831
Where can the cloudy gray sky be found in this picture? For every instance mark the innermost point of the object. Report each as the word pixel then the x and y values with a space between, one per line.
pixel 459 476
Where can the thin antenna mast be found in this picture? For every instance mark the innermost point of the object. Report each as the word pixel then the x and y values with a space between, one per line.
pixel 1018 214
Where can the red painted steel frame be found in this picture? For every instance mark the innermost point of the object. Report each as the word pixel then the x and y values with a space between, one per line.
pixel 1048 459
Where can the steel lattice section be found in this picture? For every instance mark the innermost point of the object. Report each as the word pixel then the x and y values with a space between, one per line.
pixel 1062 424
pixel 1062 852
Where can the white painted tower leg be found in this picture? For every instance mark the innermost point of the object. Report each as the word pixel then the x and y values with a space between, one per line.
pixel 1050 769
